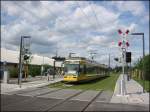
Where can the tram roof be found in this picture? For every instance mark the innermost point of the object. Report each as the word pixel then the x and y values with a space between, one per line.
pixel 86 60
pixel 76 58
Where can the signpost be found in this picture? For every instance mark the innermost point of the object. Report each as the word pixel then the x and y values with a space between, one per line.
pixel 123 44
pixel 24 52
pixel 20 63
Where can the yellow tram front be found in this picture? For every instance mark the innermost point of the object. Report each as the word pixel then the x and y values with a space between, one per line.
pixel 72 70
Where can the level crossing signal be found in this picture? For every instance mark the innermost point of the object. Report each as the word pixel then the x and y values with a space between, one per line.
pixel 116 59
pixel 26 57
pixel 128 57
pixel 120 32
pixel 124 41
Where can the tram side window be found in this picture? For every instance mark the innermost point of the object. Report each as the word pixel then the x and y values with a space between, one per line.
pixel 99 69
pixel 91 70
pixel 82 69
pixel 65 69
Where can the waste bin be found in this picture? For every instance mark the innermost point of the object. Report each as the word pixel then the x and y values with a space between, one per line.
pixel 5 77
pixel 5 72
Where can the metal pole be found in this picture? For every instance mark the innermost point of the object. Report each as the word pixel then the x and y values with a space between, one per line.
pixel 149 45
pixel 143 72
pixel 123 87
pixel 20 64
pixel 70 54
pixel 109 64
pixel 143 63
pixel 41 71
pixel 130 72
pixel 123 55
pixel 42 67
pixel 54 70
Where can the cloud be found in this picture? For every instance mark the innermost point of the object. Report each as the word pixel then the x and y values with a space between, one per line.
pixel 82 19
pixel 41 39
pixel 145 19
pixel 10 8
pixel 67 26
pixel 99 40
pixel 134 7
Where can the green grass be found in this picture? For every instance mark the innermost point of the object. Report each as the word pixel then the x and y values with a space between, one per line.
pixel 107 83
pixel 147 87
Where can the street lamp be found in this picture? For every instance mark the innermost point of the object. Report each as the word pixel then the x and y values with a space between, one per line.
pixel 143 56
pixel 92 55
pixel 70 54
pixel 21 57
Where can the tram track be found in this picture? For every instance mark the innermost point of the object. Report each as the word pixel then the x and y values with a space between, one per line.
pixel 41 88
pixel 69 98
pixel 91 101
pixel 63 100
pixel 51 91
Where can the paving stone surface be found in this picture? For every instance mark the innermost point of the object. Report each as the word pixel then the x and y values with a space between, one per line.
pixel 61 94
pixel 70 105
pixel 134 93
pixel 99 106
pixel 86 96
pixel 105 96
pixel 11 99
pixel 28 103
pixel 32 104
pixel 38 92
pixel 22 91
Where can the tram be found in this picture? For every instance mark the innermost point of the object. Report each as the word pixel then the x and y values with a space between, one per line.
pixel 81 69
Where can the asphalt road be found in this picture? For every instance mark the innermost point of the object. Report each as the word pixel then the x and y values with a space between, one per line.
pixel 46 99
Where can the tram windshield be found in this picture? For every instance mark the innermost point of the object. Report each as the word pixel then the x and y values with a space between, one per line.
pixel 71 68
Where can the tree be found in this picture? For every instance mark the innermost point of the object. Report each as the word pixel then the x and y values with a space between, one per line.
pixel 147 67
pixel 34 70
pixel 27 60
pixel 13 71
pixel 46 66
pixel 146 61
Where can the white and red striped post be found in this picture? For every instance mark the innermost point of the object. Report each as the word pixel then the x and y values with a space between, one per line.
pixel 123 44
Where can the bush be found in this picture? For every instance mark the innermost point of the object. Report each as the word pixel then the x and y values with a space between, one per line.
pixel 34 70
pixel 13 72
pixel 147 67
pixel 146 61
pixel 46 67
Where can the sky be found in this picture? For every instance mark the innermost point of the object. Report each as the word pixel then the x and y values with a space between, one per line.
pixel 80 27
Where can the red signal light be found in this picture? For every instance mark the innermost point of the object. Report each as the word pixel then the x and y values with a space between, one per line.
pixel 127 43
pixel 127 31
pixel 119 31
pixel 119 43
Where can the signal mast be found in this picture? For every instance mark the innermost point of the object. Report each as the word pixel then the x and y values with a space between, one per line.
pixel 123 44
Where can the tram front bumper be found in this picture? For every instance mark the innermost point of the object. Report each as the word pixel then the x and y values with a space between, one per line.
pixel 71 78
